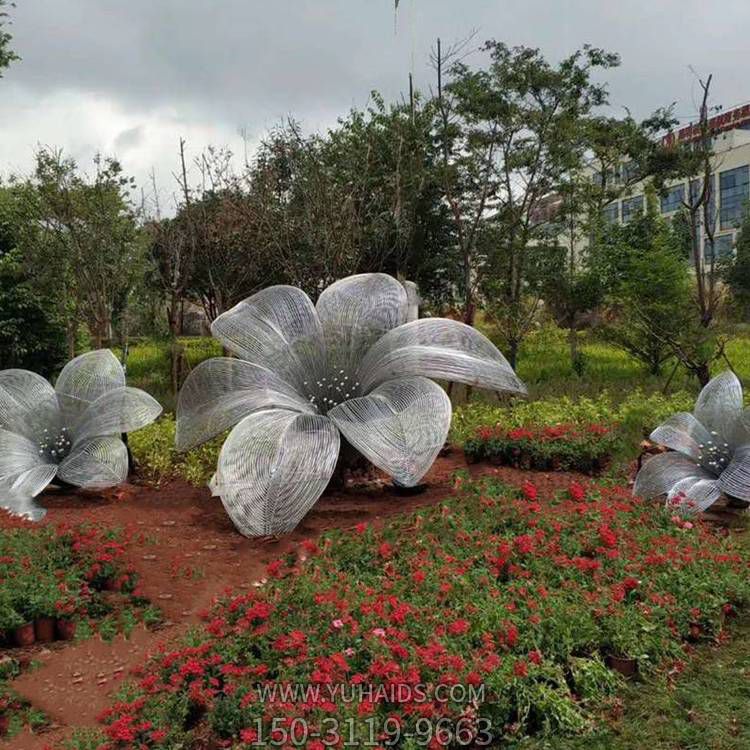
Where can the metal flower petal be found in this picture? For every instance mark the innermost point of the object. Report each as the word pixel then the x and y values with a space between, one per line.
pixel 84 379
pixel 220 392
pixel 277 328
pixel 719 406
pixel 20 505
pixel 17 455
pixel 95 463
pixel 400 427
pixel 660 473
pixel 273 467
pixel 32 481
pixel 692 495
pixel 355 312
pixel 442 349
pixel 684 433
pixel 735 479
pixel 117 411
pixel 28 404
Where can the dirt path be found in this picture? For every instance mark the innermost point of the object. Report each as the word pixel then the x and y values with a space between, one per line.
pixel 186 551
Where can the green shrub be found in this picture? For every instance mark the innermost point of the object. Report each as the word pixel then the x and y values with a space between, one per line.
pixel 156 457
pixel 584 448
pixel 635 417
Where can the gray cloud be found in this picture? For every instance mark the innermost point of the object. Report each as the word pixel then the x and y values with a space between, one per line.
pixel 134 76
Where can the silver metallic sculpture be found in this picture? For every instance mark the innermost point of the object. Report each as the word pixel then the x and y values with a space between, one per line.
pixel 351 365
pixel 710 453
pixel 71 431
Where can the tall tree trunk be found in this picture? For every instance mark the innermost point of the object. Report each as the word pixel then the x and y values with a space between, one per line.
pixel 70 336
pixel 513 353
pixel 573 344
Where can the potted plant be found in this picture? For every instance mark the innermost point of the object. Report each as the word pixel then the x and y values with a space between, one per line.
pixel 625 646
pixel 10 619
pixel 66 607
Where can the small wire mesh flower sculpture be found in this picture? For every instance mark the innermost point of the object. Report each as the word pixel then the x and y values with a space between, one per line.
pixel 71 431
pixel 351 364
pixel 710 451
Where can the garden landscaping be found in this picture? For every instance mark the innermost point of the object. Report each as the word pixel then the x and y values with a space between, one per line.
pixel 547 596
pixel 577 579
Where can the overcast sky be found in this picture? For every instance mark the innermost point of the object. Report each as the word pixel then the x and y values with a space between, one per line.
pixel 129 77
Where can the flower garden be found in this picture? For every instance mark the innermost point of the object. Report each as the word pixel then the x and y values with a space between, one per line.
pixel 516 587
pixel 508 614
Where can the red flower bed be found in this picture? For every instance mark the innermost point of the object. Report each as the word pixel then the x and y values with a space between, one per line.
pixel 568 447
pixel 52 573
pixel 490 616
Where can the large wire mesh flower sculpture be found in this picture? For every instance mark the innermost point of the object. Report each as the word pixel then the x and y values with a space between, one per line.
pixel 71 431
pixel 351 364
pixel 710 451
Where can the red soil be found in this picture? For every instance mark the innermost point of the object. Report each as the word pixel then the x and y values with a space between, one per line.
pixel 191 552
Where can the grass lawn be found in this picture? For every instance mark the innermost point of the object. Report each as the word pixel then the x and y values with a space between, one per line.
pixel 703 708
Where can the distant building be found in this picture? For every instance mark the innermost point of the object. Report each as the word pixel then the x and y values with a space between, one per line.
pixel 729 189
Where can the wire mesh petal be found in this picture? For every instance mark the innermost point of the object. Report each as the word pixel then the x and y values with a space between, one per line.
pixel 84 379
pixel 442 349
pixel 719 405
pixel 735 479
pixel 31 482
pixel 400 427
pixel 116 411
pixel 693 495
pixel 356 312
pixel 684 433
pixel 97 462
pixel 17 455
pixel 273 467
pixel 20 505
pixel 660 474
pixel 220 392
pixel 28 404
pixel 277 328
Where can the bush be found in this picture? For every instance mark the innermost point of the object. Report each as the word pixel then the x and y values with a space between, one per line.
pixel 156 458
pixel 31 336
pixel 635 417
pixel 587 448
pixel 522 600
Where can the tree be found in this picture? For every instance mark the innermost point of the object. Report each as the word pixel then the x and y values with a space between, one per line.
pixel 692 161
pixel 82 242
pixel 7 56
pixel 621 153
pixel 509 132
pixel 642 265
pixel 738 273
pixel 31 335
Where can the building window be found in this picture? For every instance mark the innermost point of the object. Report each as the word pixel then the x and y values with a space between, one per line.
pixel 630 171
pixel 721 248
pixel 672 199
pixel 632 207
pixel 734 191
pixel 611 213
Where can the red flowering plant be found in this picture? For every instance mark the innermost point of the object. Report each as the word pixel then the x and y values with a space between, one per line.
pixel 50 571
pixel 489 614
pixel 585 448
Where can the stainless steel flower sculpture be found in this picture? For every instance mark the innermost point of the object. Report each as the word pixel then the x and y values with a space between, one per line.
pixel 71 431
pixel 351 364
pixel 710 451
